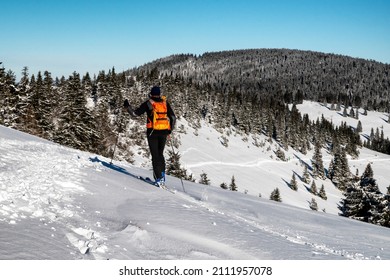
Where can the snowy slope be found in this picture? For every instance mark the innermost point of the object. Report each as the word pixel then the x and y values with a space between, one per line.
pixel 60 203
pixel 256 169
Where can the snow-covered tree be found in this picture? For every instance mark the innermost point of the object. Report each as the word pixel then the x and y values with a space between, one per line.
pixel 373 197
pixel 306 175
pixel 368 172
pixel 313 188
pixel 339 171
pixel 280 154
pixel 294 183
pixel 363 200
pixel 359 127
pixel 203 179
pixel 174 167
pixel 318 165
pixel 233 186
pixel 313 205
pixel 322 193
pixel 275 195
pixel 224 186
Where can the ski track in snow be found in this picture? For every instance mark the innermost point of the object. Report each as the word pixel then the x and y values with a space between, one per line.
pixel 292 237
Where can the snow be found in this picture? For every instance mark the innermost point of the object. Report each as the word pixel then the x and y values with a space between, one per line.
pixel 58 203
pixel 256 169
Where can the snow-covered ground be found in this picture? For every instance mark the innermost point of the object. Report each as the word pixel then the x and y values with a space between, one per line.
pixel 258 172
pixel 60 203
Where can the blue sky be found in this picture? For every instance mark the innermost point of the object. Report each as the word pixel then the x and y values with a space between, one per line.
pixel 93 35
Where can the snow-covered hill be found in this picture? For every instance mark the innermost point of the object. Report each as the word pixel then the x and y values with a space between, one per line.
pixel 255 167
pixel 60 203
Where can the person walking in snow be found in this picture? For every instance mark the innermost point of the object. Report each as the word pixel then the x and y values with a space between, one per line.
pixel 159 125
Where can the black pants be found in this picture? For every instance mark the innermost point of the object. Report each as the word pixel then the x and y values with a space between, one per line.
pixel 156 146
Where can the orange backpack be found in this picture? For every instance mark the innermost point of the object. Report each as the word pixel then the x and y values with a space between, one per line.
pixel 160 119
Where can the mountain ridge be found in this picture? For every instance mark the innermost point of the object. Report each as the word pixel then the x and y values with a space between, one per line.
pixel 291 74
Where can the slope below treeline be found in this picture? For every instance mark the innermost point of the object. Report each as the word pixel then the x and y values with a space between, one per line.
pixel 252 159
pixel 60 203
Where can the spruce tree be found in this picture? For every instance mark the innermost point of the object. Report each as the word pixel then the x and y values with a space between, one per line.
pixel 280 154
pixel 352 113
pixel 293 183
pixel 345 114
pixel 339 171
pixel 368 172
pixel 363 200
pixel 224 186
pixel 351 205
pixel 322 193
pixel 306 175
pixel 359 127
pixel 23 106
pixel 233 186
pixel 275 195
pixel 313 205
pixel 174 167
pixel 318 165
pixel 384 220
pixel 372 204
pixel 313 188
pixel 76 126
pixel 203 179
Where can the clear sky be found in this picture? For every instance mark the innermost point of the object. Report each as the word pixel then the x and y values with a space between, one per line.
pixel 93 35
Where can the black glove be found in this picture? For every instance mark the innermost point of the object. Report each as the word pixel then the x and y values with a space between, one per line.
pixel 126 104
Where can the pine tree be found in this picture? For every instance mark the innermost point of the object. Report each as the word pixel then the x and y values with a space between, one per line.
pixel 203 179
pixel 8 98
pixel 368 172
pixel 174 167
pixel 322 193
pixel 224 186
pixel 351 205
pixel 306 175
pixel 313 188
pixel 363 200
pixel 345 114
pixel 352 113
pixel 339 171
pixel 318 165
pixel 293 183
pixel 45 108
pixel 275 195
pixel 23 106
pixel 76 126
pixel 373 198
pixel 385 214
pixel 233 186
pixel 313 205
pixel 359 127
pixel 280 154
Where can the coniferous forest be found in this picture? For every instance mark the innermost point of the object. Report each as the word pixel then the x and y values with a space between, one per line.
pixel 254 91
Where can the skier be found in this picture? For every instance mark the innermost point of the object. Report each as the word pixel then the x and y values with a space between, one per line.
pixel 159 123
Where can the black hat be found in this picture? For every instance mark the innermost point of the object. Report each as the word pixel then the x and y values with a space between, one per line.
pixel 155 91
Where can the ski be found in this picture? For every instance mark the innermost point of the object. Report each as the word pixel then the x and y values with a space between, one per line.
pixel 151 182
